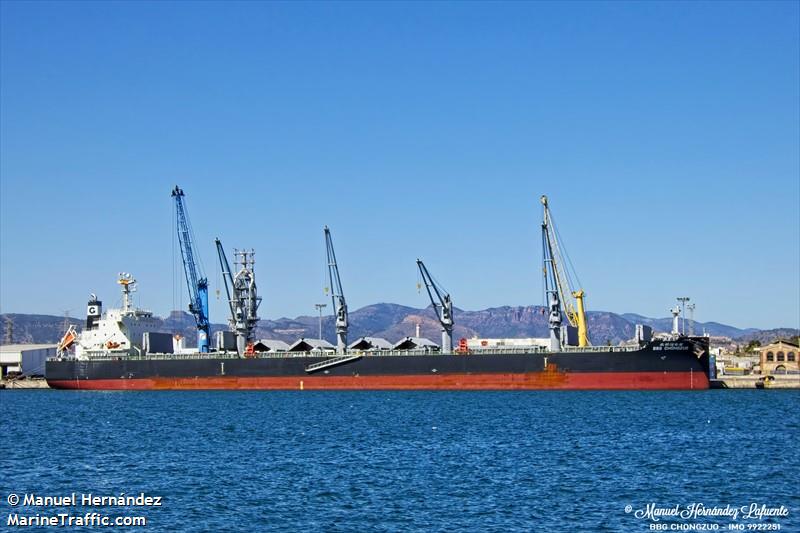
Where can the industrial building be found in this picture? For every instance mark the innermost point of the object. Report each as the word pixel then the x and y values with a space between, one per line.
pixel 476 343
pixel 270 345
pixel 312 345
pixel 25 359
pixel 780 357
pixel 370 344
pixel 416 343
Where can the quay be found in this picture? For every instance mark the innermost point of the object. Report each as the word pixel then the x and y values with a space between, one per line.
pixel 786 381
pixel 24 383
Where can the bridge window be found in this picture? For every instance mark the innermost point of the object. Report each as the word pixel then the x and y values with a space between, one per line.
pixel 790 356
pixel 780 356
pixel 770 356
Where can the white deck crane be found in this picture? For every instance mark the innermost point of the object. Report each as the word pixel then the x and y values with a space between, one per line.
pixel 242 295
pixel 337 295
pixel 558 284
pixel 442 304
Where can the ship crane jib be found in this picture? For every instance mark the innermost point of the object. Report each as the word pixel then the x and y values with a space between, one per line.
pixel 442 304
pixel 243 299
pixel 558 284
pixel 196 282
pixel 337 295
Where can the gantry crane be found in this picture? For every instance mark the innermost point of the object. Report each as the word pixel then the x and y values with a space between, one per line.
pixel 442 304
pixel 243 298
pixel 196 282
pixel 337 295
pixel 559 284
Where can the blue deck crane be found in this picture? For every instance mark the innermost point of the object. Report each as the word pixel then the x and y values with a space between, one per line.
pixel 195 281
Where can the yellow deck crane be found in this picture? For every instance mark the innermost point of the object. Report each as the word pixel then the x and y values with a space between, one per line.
pixel 558 284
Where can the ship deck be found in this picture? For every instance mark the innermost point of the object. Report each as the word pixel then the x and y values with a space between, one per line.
pixel 370 353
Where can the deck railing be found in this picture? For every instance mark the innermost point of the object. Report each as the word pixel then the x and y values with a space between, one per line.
pixel 500 350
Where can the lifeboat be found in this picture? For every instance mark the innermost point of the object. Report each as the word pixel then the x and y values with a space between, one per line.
pixel 67 340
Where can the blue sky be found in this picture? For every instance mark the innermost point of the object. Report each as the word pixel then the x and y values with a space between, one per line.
pixel 665 134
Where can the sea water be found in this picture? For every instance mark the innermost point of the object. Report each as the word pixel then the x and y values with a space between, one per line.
pixel 406 461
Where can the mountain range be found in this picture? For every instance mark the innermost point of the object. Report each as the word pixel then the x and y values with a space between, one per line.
pixel 394 322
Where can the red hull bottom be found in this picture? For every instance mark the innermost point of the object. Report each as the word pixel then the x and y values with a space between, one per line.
pixel 537 381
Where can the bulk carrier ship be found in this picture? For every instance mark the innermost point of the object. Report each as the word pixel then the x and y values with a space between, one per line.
pixel 120 349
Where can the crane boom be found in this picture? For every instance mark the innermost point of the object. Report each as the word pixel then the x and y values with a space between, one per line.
pixel 337 295
pixel 558 284
pixel 195 281
pixel 243 298
pixel 442 304
pixel 227 276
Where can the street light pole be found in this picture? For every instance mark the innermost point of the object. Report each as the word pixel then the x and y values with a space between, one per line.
pixel 320 307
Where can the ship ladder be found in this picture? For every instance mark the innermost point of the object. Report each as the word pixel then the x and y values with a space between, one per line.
pixel 335 361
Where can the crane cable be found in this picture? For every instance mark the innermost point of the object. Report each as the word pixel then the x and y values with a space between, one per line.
pixel 560 258
pixel 565 254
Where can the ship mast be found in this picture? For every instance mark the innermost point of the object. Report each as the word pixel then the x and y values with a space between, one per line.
pixel 561 297
pixel 128 287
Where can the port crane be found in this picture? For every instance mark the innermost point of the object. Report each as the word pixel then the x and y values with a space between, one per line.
pixel 196 282
pixel 442 304
pixel 242 294
pixel 559 284
pixel 337 295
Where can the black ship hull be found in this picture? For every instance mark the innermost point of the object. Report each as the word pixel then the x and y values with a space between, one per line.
pixel 682 364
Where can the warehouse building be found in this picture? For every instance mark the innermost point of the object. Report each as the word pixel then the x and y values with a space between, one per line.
pixel 416 343
pixel 312 345
pixel 270 345
pixel 25 359
pixel 370 343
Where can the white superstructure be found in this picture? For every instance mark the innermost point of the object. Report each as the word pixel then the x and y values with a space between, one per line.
pixel 117 332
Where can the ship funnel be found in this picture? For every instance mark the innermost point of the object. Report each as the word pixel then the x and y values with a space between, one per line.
pixel 94 310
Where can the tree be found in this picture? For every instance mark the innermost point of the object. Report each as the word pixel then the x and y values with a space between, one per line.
pixel 752 345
